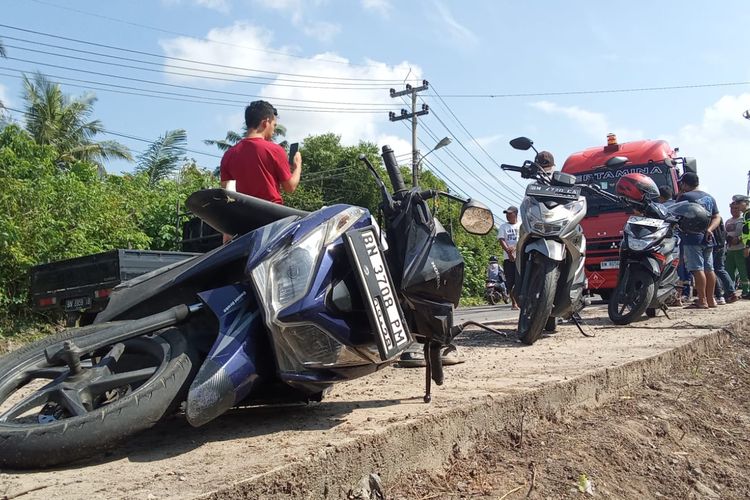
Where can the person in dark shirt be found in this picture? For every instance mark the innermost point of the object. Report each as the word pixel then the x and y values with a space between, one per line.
pixel 256 166
pixel 698 248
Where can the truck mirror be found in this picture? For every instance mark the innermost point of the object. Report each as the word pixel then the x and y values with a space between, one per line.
pixel 690 165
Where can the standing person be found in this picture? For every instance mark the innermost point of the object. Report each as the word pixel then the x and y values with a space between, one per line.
pixel 736 265
pixel 508 237
pixel 725 292
pixel 256 166
pixel 699 247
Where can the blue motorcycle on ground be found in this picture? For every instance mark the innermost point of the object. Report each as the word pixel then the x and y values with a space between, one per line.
pixel 293 304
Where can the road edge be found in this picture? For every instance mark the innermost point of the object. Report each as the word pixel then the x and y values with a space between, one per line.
pixel 432 441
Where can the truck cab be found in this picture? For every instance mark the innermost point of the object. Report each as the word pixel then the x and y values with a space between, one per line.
pixel 604 221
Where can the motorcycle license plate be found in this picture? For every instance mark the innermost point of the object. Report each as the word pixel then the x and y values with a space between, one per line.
pixel 556 192
pixel 610 264
pixel 378 292
pixel 77 303
pixel 645 221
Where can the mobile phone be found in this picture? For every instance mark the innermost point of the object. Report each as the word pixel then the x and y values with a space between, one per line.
pixel 293 148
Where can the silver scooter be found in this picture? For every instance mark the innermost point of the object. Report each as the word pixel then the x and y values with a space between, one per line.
pixel 550 248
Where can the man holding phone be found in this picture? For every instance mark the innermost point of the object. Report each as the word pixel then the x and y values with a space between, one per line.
pixel 256 166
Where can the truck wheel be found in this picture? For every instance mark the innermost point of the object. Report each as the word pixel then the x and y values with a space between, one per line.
pixel 632 296
pixel 50 417
pixel 536 296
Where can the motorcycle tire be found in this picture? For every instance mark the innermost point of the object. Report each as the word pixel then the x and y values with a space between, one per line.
pixel 651 312
pixel 122 389
pixel 492 299
pixel 632 296
pixel 536 297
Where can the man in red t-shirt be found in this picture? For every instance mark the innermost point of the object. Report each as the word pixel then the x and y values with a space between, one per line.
pixel 256 166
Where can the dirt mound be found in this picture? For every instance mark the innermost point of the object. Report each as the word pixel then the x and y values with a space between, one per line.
pixel 680 436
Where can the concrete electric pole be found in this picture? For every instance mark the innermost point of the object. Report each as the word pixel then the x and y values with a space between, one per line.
pixel 405 115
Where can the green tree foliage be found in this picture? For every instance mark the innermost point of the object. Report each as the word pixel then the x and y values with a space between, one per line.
pixel 48 213
pixel 54 119
pixel 163 156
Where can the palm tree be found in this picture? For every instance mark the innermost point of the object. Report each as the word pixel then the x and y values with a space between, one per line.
pixel 163 155
pixel 233 138
pixel 55 119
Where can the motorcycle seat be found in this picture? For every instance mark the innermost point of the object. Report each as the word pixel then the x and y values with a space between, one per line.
pixel 235 213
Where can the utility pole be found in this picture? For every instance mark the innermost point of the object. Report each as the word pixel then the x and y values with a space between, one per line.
pixel 405 115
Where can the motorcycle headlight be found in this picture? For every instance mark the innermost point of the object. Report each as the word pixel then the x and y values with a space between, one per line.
pixel 284 278
pixel 643 239
pixel 547 222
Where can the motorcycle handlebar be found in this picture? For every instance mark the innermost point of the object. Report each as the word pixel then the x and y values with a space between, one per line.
pixel 391 166
pixel 512 168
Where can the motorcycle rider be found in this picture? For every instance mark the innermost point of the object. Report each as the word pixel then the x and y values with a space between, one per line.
pixel 496 275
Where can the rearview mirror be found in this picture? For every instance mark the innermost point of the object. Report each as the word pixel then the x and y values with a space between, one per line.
pixel 476 218
pixel 522 143
pixel 616 162
pixel 690 165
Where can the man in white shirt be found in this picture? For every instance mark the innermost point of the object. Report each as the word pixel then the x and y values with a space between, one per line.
pixel 508 237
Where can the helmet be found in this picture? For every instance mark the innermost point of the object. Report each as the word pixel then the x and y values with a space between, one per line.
pixel 693 217
pixel 493 258
pixel 637 187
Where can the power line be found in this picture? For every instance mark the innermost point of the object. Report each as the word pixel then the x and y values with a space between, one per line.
pixel 191 98
pixel 120 134
pixel 445 104
pixel 495 196
pixel 198 88
pixel 176 33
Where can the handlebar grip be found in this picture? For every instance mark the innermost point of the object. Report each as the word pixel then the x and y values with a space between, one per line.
pixel 505 166
pixel 391 166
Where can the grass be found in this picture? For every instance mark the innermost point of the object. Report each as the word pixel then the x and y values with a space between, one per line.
pixel 16 331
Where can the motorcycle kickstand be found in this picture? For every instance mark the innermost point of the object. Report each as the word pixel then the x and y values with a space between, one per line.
pixel 664 309
pixel 484 327
pixel 428 374
pixel 576 319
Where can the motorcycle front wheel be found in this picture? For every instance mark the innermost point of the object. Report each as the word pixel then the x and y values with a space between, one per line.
pixel 536 296
pixel 54 413
pixel 632 296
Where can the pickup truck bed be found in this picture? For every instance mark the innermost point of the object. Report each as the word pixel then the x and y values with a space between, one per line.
pixel 81 286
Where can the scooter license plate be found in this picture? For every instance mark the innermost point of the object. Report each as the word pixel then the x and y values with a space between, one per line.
pixel 645 221
pixel 377 290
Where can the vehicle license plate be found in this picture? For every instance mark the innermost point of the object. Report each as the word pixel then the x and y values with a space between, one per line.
pixel 645 221
pixel 77 303
pixel 379 295
pixel 610 264
pixel 556 192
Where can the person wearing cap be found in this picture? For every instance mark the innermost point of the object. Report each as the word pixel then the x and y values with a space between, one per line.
pixel 256 166
pixel 699 247
pixel 545 160
pixel 736 265
pixel 508 237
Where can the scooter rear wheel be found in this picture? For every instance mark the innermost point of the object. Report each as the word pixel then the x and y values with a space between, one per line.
pixel 53 413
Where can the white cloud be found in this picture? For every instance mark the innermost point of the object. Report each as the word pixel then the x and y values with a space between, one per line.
pixel 223 6
pixel 238 46
pixel 297 10
pixel 382 7
pixel 721 144
pixel 592 123
pixel 456 30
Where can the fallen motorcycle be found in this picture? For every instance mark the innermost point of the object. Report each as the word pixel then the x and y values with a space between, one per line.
pixel 295 303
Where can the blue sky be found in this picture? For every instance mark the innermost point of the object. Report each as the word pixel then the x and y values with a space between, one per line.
pixel 345 54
